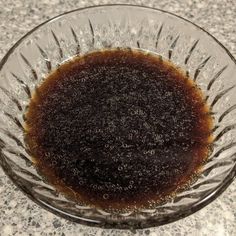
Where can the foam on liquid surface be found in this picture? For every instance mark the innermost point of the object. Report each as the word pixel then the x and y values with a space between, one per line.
pixel 118 129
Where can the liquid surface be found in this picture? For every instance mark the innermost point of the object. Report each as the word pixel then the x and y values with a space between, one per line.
pixel 118 129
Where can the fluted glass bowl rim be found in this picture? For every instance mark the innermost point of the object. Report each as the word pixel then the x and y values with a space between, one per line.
pixel 148 222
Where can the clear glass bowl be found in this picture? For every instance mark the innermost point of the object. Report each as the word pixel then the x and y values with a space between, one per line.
pixel 77 32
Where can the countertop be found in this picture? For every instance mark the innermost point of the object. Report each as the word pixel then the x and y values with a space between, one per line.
pixel 20 216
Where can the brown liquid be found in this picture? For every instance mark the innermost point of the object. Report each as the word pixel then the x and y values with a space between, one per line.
pixel 118 129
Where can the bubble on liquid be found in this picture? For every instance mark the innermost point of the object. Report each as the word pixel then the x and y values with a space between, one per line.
pixel 54 163
pixel 140 174
pixel 105 196
pixel 99 187
pixel 95 187
pixel 120 168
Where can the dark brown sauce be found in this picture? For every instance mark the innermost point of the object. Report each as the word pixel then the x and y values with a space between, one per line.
pixel 118 129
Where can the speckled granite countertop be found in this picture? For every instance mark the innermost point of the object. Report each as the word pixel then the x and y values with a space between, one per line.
pixel 19 215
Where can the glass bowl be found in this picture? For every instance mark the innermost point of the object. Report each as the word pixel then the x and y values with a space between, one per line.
pixel 80 31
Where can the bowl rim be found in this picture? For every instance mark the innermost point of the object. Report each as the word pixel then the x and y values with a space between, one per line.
pixel 107 224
